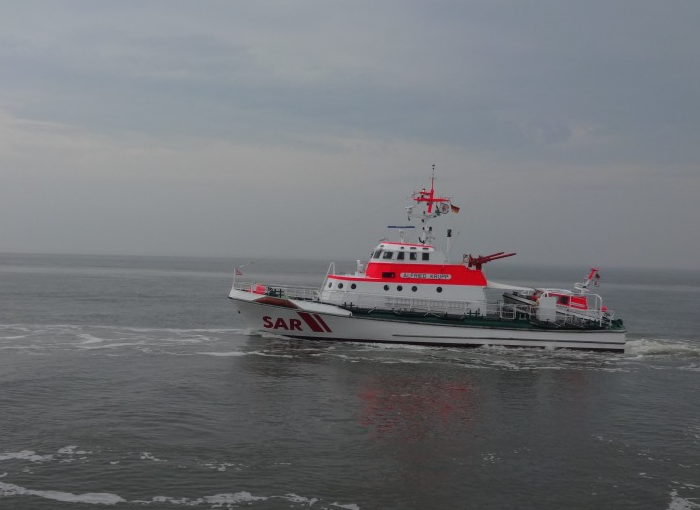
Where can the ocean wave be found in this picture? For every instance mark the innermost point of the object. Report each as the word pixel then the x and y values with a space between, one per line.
pixel 29 455
pixel 91 339
pixel 226 354
pixel 224 500
pixel 151 457
pixel 679 503
pixel 223 466
pixel 34 328
pixel 93 498
pixel 662 347
pixel 64 454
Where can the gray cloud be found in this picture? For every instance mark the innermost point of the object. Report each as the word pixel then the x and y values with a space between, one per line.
pixel 565 96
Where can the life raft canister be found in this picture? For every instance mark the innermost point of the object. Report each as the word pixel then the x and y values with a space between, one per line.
pixel 256 288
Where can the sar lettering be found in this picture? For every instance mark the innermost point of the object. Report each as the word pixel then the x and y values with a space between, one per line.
pixel 280 323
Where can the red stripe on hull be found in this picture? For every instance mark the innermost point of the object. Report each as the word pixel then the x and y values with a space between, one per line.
pixel 311 322
pixel 322 322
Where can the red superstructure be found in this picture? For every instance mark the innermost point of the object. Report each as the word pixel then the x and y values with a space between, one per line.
pixel 401 269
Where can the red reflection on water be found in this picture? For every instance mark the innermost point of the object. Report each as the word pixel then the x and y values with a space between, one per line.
pixel 413 410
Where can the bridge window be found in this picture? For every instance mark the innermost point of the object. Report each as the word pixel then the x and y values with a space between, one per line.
pixel 413 255
pixel 377 254
pixel 399 255
pixel 426 256
pixel 388 254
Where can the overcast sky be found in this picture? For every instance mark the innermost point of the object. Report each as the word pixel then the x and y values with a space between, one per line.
pixel 568 132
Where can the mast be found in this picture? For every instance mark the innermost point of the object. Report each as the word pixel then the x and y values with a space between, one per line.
pixel 434 207
pixel 592 278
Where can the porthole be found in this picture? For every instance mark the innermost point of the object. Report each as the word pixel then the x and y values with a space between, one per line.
pixel 439 289
pixel 414 288
pixel 340 285
pixel 330 284
pixel 399 288
pixel 386 287
pixel 353 286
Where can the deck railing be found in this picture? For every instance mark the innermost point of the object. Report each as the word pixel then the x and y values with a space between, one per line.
pixel 281 291
pixel 436 307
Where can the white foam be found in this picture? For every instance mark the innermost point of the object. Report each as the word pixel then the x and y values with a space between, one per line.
pixel 93 498
pixel 490 458
pixel 29 455
pixel 90 339
pixel 222 466
pixel 232 499
pixel 661 347
pixel 217 500
pixel 350 506
pixel 224 354
pixel 150 456
pixel 679 503
pixel 271 355
pixel 294 498
pixel 213 501
pixel 178 330
pixel 390 346
pixel 71 450
pixel 110 346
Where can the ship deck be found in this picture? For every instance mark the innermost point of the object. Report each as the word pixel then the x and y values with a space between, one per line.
pixel 490 314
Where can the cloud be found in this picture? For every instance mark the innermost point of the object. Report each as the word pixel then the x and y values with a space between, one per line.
pixel 276 107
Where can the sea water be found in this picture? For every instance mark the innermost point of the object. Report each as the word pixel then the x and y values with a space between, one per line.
pixel 131 382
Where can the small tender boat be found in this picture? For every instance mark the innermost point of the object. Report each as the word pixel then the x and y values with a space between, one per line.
pixel 411 293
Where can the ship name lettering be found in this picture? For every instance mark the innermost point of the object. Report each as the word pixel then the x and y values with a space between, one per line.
pixel 427 276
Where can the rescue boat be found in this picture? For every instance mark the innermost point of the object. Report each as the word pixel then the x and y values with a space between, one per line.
pixel 409 292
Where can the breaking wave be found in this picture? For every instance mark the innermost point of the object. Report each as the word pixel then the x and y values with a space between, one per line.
pixel 225 500
pixel 661 347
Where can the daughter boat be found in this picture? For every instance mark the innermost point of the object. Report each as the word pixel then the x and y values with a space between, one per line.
pixel 411 293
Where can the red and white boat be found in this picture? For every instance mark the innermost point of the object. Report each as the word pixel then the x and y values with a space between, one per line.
pixel 411 293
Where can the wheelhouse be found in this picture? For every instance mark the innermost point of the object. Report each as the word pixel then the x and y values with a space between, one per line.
pixel 406 254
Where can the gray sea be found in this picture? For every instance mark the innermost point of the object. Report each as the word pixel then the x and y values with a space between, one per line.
pixel 131 383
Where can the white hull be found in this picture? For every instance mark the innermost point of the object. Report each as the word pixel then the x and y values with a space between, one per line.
pixel 303 319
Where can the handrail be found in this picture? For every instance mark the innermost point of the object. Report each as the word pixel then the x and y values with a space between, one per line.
pixel 282 291
pixel 426 306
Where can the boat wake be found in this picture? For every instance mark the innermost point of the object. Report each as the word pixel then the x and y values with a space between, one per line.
pixel 644 348
pixel 41 339
pixel 35 339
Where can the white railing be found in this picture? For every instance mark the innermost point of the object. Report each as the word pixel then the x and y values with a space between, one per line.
pixel 281 291
pixel 435 307
pixel 438 307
